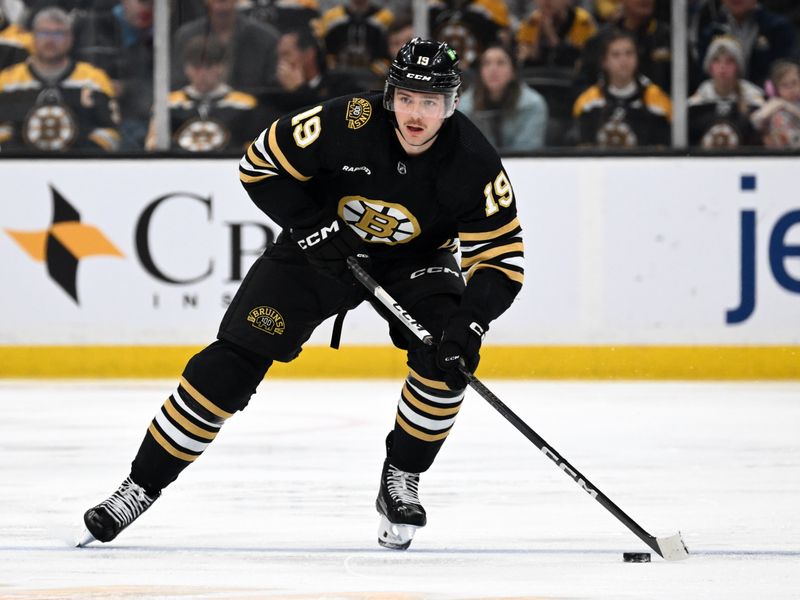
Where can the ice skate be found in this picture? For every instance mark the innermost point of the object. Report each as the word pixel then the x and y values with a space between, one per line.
pixel 105 521
pixel 399 506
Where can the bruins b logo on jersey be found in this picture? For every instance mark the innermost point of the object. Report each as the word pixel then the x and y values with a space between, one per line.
pixel 378 221
pixel 50 127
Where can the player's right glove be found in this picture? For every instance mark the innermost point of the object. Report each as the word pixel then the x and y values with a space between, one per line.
pixel 461 343
pixel 327 246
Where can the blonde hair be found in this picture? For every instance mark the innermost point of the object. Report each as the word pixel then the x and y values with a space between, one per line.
pixel 780 69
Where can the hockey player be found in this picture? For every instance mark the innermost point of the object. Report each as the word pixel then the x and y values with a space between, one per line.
pixel 391 178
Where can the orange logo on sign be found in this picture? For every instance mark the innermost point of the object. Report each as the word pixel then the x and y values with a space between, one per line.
pixel 64 244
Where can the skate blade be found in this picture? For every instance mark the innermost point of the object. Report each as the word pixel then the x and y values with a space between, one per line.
pixel 395 536
pixel 84 539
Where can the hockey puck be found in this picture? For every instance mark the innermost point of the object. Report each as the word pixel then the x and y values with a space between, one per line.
pixel 636 557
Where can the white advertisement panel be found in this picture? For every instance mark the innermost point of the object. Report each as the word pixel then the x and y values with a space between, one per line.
pixel 618 251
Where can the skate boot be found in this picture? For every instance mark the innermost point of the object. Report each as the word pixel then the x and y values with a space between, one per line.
pixel 399 507
pixel 123 507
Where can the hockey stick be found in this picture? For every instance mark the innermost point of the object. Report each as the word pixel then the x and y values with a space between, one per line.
pixel 669 548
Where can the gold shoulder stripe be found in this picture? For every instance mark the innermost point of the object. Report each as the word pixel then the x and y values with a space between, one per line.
pixel 256 159
pixel 491 253
pixel 512 275
pixel 489 235
pixel 593 93
pixel 18 73
pixel 203 401
pixel 278 153
pixel 86 71
pixel 654 96
pixel 245 178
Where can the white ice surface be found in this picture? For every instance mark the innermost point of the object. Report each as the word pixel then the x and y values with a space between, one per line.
pixel 282 504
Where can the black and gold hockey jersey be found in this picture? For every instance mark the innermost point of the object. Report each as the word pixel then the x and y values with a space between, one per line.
pixel 468 25
pixel 76 111
pixel 724 122
pixel 343 157
pixel 356 40
pixel 15 45
pixel 220 120
pixel 638 118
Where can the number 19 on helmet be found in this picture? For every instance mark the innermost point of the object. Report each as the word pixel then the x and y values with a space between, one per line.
pixel 428 67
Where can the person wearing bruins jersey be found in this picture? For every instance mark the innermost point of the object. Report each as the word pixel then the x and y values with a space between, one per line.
pixel 207 115
pixel 52 103
pixel 625 109
pixel 390 178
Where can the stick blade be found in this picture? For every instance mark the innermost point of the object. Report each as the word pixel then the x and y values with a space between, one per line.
pixel 672 547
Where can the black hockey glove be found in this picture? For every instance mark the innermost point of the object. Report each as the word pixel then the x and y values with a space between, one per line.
pixel 461 341
pixel 327 246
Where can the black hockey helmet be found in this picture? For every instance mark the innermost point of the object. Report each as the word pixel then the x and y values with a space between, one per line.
pixel 424 66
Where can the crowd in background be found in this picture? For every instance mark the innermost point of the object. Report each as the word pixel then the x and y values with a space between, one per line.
pixel 78 74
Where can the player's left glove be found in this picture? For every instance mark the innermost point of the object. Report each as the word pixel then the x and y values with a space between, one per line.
pixel 461 341
pixel 327 246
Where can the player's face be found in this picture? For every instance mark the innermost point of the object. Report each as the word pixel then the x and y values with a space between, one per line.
pixel 419 118
pixel 52 41
pixel 620 61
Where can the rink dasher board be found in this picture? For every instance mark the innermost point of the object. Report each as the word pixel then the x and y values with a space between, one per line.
pixel 637 267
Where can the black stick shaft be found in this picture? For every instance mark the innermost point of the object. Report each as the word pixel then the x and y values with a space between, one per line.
pixel 418 330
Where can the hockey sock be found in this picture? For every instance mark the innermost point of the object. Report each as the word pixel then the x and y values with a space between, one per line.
pixel 425 414
pixel 217 382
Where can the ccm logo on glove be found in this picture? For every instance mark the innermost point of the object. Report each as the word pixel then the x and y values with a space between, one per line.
pixel 477 329
pixel 318 236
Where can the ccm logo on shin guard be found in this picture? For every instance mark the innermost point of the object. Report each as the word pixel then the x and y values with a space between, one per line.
pixel 564 467
pixel 318 236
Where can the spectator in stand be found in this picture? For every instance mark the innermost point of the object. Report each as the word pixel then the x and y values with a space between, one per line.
pixel 720 109
pixel 354 35
pixel 764 36
pixel 283 15
pixel 512 115
pixel 554 35
pixel 208 115
pixel 625 109
pixel 652 41
pixel 778 121
pixel 469 26
pixel 251 48
pixel 52 103
pixel 303 77
pixel 15 42
pixel 399 32
pixel 120 41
